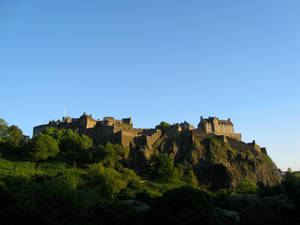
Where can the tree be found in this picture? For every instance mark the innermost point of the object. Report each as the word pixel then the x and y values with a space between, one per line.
pixel 11 137
pixel 111 155
pixel 85 143
pixel 3 126
pixel 162 125
pixel 57 134
pixel 72 142
pixel 42 147
pixel 14 137
pixel 162 167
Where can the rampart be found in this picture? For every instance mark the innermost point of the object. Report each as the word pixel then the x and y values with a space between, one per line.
pixel 106 130
pixel 122 131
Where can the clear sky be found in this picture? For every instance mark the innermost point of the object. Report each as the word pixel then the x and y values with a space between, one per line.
pixel 156 60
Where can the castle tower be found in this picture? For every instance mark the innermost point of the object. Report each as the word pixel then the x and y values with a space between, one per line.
pixel 86 121
pixel 213 125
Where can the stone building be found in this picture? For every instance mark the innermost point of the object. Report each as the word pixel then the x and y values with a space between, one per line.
pixel 122 131
pixel 213 125
pixel 102 131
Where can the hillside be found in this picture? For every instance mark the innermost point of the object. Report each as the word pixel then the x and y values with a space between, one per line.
pixel 214 152
pixel 61 177
pixel 216 160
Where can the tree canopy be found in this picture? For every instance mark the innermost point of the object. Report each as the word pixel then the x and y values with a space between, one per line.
pixel 11 137
pixel 70 141
pixel 43 146
pixel 162 166
pixel 163 125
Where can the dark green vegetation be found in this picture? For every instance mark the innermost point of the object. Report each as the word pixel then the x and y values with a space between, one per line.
pixel 163 125
pixel 59 177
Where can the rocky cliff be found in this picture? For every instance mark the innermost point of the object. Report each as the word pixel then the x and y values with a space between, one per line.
pixel 217 160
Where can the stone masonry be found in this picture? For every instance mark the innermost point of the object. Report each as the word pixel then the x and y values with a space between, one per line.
pixel 213 125
pixel 122 131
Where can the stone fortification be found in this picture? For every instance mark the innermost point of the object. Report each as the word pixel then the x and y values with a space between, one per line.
pixel 213 125
pixel 213 150
pixel 102 131
pixel 122 131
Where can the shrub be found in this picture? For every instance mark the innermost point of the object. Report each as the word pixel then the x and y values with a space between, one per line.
pixel 191 179
pixel 247 186
pixel 70 177
pixel 108 180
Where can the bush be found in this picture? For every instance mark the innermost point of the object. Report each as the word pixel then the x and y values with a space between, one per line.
pixel 108 180
pixel 247 186
pixel 191 179
pixel 133 187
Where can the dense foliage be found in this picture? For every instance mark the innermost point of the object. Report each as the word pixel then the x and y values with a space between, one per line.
pixel 163 125
pixel 42 147
pixel 60 177
pixel 11 137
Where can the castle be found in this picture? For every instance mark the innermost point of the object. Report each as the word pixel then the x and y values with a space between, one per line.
pixel 213 125
pixel 122 131
pixel 102 131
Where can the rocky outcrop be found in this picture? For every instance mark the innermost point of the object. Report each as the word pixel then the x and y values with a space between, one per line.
pixel 217 160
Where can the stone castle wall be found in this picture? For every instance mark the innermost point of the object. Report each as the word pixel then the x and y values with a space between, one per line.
pixel 152 138
pixel 101 135
pixel 107 130
pixel 122 131
pixel 127 137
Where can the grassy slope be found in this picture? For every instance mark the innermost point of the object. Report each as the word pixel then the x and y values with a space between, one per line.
pixel 26 169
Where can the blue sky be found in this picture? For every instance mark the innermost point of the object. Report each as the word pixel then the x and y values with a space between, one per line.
pixel 156 60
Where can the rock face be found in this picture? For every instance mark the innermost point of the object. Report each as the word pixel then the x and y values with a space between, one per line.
pixel 217 160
